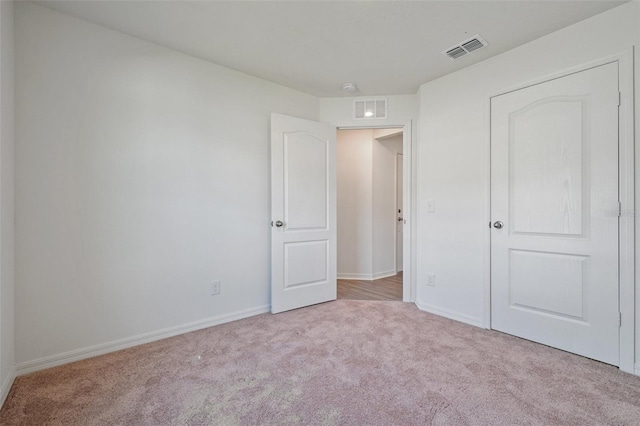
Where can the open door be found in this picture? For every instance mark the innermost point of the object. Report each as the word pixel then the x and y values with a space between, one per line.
pixel 303 213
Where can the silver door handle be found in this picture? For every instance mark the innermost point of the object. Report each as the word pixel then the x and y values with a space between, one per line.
pixel 279 224
pixel 498 225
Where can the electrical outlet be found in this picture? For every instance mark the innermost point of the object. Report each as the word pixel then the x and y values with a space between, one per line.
pixel 215 288
pixel 431 280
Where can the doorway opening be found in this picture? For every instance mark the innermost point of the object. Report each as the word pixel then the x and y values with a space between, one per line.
pixel 370 213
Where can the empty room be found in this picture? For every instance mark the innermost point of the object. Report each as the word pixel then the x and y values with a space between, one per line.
pixel 201 203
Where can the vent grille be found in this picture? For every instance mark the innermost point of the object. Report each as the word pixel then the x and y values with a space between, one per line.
pixel 370 109
pixel 465 47
pixel 472 45
pixel 456 52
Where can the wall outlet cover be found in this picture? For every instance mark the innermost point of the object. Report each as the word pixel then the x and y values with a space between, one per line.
pixel 431 280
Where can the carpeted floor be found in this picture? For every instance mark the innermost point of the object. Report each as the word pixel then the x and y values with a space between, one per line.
pixel 340 363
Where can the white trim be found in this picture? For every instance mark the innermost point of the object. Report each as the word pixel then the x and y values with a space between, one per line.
pixel 637 370
pixel 477 322
pixel 385 274
pixel 398 131
pixel 116 345
pixel 409 215
pixel 350 276
pixel 626 190
pixel 559 74
pixel 6 386
pixel 409 192
pixel 627 219
pixel 395 212
pixel 367 277
pixel 486 255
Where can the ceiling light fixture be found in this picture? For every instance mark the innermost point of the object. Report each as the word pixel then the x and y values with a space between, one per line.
pixel 349 87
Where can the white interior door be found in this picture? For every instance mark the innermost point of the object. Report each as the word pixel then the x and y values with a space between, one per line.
pixel 399 212
pixel 303 211
pixel 554 188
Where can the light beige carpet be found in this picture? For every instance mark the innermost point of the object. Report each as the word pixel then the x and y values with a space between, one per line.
pixel 340 363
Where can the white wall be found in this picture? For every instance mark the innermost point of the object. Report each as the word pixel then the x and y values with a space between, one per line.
pixel 453 159
pixel 355 194
pixel 392 143
pixel 142 174
pixel 7 370
pixel 384 204
pixel 387 133
pixel 366 205
pixel 366 185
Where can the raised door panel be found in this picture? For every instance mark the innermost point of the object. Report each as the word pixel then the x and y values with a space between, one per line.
pixel 306 184
pixel 305 263
pixel 548 167
pixel 550 284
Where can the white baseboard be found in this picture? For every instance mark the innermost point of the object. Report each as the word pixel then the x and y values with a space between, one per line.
pixel 350 276
pixel 6 386
pixel 384 274
pixel 449 314
pixel 116 345
pixel 366 277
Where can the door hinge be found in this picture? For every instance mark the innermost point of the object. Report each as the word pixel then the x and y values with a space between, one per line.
pixel 619 98
pixel 272 224
pixel 619 319
pixel 619 209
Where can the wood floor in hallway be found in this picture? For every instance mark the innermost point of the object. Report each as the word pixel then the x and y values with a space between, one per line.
pixel 389 288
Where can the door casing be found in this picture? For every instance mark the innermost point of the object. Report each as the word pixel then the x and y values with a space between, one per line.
pixel 399 206
pixel 626 162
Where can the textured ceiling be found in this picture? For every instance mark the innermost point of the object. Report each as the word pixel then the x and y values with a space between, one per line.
pixel 384 47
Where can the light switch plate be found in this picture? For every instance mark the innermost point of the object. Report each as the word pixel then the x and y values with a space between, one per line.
pixel 215 288
pixel 431 280
pixel 431 206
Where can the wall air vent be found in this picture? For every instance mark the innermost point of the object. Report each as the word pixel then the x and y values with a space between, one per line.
pixel 370 108
pixel 467 46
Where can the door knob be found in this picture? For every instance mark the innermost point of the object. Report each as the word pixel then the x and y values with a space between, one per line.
pixel 497 224
pixel 399 219
pixel 279 223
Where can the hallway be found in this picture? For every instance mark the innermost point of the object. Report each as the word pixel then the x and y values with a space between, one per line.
pixel 387 289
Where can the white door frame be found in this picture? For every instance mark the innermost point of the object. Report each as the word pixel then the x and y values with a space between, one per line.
pixel 408 281
pixel 626 162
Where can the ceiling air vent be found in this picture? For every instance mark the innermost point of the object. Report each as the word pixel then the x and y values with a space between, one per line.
pixel 465 47
pixel 370 108
pixel 456 52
